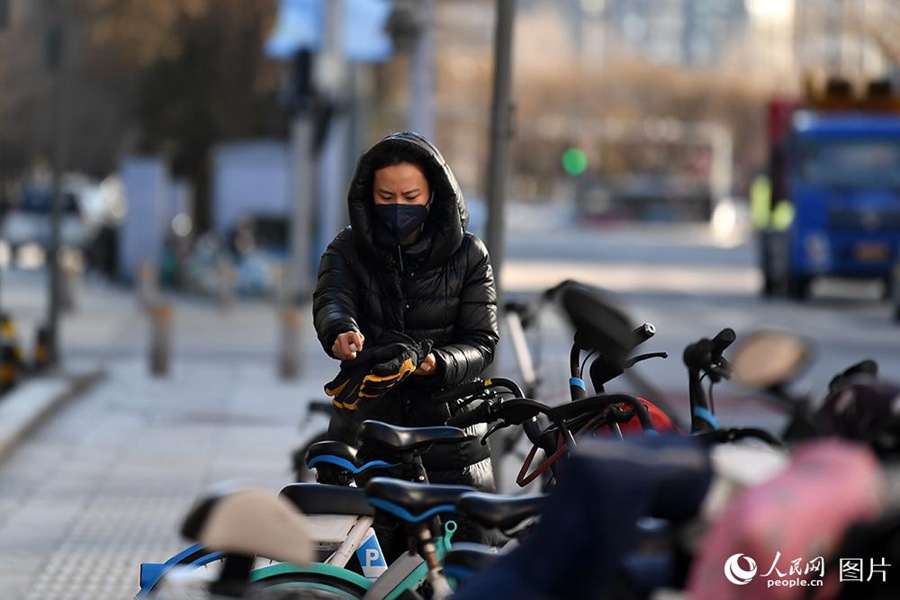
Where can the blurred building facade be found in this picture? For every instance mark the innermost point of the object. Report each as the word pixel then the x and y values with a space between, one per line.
pixel 693 33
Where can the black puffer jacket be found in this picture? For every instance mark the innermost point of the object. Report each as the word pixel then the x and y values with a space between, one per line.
pixel 441 288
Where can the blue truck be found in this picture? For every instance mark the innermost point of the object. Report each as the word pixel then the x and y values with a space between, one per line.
pixel 836 201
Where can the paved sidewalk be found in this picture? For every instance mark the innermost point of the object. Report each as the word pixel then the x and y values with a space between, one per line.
pixel 102 484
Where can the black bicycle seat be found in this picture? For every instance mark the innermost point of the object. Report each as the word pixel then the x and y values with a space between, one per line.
pixel 408 438
pixel 501 512
pixel 413 502
pixel 331 448
pixel 322 499
pixel 599 324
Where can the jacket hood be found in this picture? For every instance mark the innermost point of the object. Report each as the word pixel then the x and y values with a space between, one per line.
pixel 448 217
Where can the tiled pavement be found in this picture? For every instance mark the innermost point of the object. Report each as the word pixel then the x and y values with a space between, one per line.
pixel 103 483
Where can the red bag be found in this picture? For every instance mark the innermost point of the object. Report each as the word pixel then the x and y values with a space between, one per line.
pixel 661 421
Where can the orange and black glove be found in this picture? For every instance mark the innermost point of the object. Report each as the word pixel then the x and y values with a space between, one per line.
pixel 376 370
pixel 344 388
pixel 398 361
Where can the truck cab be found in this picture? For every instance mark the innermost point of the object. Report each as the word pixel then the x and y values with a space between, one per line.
pixel 841 174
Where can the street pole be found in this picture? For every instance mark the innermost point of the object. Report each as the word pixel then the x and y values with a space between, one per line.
pixel 421 74
pixel 332 82
pixel 56 61
pixel 303 184
pixel 4 23
pixel 501 134
pixel 302 135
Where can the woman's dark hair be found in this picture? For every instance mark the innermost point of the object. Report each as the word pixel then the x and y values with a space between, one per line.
pixel 390 153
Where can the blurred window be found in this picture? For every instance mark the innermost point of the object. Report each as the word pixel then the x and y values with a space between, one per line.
pixel 40 201
pixel 850 162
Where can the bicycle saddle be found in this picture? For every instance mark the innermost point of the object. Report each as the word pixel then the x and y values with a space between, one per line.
pixel 323 499
pixel 331 449
pixel 599 324
pixel 413 502
pixel 501 512
pixel 340 455
pixel 408 438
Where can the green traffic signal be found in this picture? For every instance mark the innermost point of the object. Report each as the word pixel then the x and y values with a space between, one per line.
pixel 574 161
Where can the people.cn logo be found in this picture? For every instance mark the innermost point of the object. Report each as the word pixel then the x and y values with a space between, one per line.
pixel 736 573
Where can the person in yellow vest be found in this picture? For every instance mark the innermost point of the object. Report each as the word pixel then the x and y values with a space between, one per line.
pixel 765 216
pixel 782 215
pixel 760 201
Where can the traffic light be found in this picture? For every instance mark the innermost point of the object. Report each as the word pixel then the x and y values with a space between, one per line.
pixel 574 161
pixel 4 14
pixel 405 24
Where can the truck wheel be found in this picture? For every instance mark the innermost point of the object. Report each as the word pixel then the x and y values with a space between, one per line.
pixel 798 287
pixel 769 286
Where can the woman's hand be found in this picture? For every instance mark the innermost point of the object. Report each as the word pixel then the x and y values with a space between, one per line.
pixel 428 366
pixel 347 344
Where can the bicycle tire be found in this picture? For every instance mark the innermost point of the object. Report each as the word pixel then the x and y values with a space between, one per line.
pixel 285 586
pixel 201 557
pixel 294 594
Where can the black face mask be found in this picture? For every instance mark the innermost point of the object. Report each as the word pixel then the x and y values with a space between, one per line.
pixel 401 219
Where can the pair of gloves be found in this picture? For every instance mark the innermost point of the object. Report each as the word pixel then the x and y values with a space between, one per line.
pixel 376 370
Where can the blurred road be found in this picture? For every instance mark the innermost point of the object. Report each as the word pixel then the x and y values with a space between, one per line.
pixel 103 484
pixel 687 285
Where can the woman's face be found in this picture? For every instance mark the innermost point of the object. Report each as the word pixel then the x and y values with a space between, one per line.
pixel 403 183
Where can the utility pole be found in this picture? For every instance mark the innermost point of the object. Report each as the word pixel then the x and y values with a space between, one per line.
pixel 501 134
pixel 299 277
pixel 411 27
pixel 55 57
pixel 421 74
pixel 332 83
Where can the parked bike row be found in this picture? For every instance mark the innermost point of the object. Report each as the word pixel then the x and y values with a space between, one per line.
pixel 629 501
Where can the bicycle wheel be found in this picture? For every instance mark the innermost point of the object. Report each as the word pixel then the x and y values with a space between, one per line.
pixel 297 594
pixel 195 558
pixel 290 585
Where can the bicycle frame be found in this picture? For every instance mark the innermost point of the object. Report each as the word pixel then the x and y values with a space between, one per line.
pixel 405 573
pixel 524 359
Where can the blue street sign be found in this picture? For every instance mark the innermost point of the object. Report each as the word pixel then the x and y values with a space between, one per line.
pixel 301 26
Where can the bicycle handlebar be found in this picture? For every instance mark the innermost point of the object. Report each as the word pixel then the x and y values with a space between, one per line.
pixel 642 334
pixel 706 355
pixel 721 342
pixel 519 411
pixel 461 391
pixel 481 414
pixel 477 388
pixel 572 410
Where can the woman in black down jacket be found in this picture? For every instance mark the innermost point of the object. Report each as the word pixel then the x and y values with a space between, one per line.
pixel 407 264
